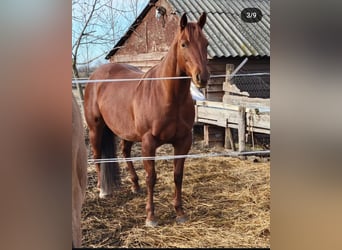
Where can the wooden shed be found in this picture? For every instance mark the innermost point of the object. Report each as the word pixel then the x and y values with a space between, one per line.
pixel 230 39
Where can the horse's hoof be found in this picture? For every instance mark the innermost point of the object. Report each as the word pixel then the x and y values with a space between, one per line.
pixel 136 190
pixel 151 223
pixel 103 195
pixel 181 219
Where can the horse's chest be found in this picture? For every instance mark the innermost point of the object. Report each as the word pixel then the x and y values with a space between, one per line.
pixel 170 131
pixel 172 127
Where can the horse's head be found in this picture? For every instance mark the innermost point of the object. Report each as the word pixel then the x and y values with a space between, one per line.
pixel 192 50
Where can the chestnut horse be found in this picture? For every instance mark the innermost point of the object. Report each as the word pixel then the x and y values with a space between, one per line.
pixel 79 172
pixel 153 112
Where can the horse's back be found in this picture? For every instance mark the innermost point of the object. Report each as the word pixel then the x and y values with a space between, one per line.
pixel 116 70
pixel 79 172
pixel 113 71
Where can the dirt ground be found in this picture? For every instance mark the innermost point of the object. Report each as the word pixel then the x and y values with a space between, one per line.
pixel 227 201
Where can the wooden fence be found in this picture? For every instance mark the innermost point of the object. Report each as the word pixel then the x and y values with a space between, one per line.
pixel 230 116
pixel 236 111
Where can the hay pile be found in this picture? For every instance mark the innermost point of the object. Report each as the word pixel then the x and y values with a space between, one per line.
pixel 227 201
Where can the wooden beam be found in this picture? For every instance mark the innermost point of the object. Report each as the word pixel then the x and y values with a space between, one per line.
pixel 228 140
pixel 242 128
pixel 152 56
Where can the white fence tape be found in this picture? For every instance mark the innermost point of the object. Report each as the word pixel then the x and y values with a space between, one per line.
pixel 171 157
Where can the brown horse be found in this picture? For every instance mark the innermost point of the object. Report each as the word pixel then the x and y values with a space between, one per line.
pixel 79 172
pixel 153 112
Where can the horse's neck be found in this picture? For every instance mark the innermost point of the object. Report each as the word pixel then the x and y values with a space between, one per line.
pixel 175 88
pixel 168 66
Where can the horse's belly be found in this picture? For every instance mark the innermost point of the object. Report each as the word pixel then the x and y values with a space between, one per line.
pixel 119 120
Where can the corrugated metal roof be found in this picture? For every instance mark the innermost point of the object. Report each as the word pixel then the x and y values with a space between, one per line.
pixel 227 33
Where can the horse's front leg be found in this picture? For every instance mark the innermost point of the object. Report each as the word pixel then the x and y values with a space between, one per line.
pixel 181 147
pixel 149 149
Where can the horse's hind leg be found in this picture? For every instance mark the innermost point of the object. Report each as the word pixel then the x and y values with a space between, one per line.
pixel 95 139
pixel 126 147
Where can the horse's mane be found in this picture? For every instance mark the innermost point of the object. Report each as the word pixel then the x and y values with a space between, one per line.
pixel 147 73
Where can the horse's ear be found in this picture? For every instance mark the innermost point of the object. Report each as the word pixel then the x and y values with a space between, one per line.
pixel 202 20
pixel 183 21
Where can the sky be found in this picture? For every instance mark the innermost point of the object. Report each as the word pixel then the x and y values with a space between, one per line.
pixel 100 29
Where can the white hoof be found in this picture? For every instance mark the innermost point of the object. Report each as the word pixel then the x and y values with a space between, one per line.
pixel 104 195
pixel 150 223
pixel 181 219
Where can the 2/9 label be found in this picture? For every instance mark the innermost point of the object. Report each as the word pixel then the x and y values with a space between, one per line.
pixel 251 15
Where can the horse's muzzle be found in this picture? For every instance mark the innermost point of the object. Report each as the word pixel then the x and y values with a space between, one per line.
pixel 200 81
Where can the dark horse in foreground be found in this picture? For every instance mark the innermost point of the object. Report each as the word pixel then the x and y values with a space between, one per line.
pixel 153 112
pixel 79 172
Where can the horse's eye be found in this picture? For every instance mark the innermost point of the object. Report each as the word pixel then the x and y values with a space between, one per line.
pixel 184 45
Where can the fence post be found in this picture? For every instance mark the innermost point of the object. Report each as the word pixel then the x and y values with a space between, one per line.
pixel 228 140
pixel 80 90
pixel 242 128
pixel 227 84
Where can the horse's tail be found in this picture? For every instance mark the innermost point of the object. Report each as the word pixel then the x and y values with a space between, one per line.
pixel 110 171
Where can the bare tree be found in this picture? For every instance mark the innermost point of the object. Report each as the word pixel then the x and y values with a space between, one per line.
pixel 97 25
pixel 134 6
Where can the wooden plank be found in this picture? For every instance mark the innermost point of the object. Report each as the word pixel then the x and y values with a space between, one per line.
pixel 217 113
pixel 214 96
pixel 258 120
pixel 218 116
pixel 229 70
pixel 261 113
pixel 217 123
pixel 139 57
pixel 242 128
pixel 217 105
pixel 261 130
pixel 226 115
pixel 228 140
pixel 213 135
pixel 213 91
pixel 233 125
pixel 214 86
pixel 231 88
pixel 211 113
pixel 247 101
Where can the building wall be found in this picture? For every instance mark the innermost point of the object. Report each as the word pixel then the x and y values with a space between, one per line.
pixel 150 41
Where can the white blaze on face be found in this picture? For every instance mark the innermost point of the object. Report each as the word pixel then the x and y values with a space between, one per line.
pixel 195 93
